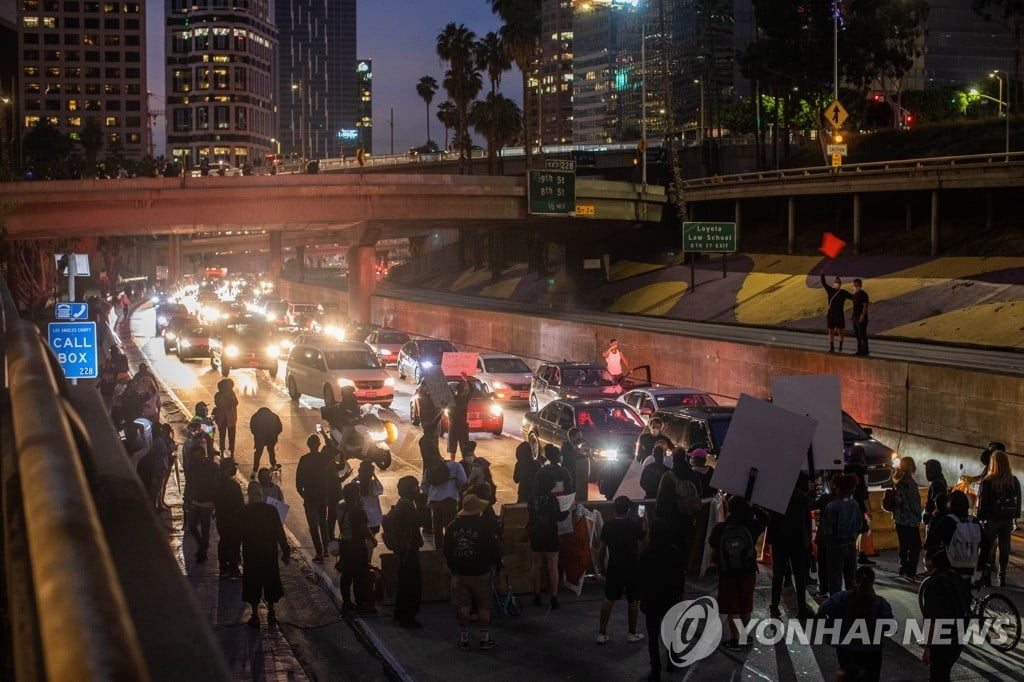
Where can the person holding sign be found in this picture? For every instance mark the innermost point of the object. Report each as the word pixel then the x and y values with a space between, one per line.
pixel 458 417
pixel 616 360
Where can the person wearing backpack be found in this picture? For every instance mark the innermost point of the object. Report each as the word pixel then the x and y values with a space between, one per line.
pixel 442 482
pixel 650 477
pixel 942 597
pixel 402 536
pixel 841 522
pixel 959 534
pixel 789 535
pixel 735 539
pixel 678 501
pixel 998 509
pixel 265 427
pixel 906 515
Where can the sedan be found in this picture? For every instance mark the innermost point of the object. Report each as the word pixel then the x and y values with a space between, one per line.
pixel 484 415
pixel 422 354
pixel 173 328
pixel 193 342
pixel 610 430
pixel 508 376
pixel 165 312
pixel 647 401
pixel 386 343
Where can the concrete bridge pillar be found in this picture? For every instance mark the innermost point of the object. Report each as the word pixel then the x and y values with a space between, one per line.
pixel 935 223
pixel 275 255
pixel 856 223
pixel 174 257
pixel 791 225
pixel 737 217
pixel 362 281
pixel 909 213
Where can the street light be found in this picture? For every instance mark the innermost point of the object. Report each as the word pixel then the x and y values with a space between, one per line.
pixel 995 74
pixel 1001 104
pixel 277 143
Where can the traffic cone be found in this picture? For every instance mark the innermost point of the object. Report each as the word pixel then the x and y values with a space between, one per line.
pixel 867 544
pixel 766 554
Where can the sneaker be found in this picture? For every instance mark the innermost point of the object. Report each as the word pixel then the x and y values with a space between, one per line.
pixel 554 603
pixel 732 645
pixel 602 638
pixel 463 646
pixel 634 637
pixel 774 612
pixel 488 644
pixel 275 467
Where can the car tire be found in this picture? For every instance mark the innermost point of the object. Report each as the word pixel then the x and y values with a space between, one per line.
pixel 224 369
pixel 293 390
pixel 534 445
pixel 181 358
pixel 414 413
pixel 533 403
pixel 416 376
pixel 273 372
pixel 497 433
pixel 328 396
pixel 213 365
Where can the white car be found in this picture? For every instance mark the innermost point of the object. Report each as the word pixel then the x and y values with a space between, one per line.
pixel 386 343
pixel 508 376
pixel 323 368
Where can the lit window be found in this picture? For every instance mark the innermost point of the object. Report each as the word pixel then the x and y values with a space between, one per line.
pixel 30 22
pixel 111 122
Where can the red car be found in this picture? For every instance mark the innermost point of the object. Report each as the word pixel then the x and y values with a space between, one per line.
pixel 485 414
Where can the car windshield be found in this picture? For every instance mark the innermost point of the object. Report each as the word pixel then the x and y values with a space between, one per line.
pixel 477 385
pixel 612 418
pixel 197 331
pixel 592 376
pixel 246 329
pixel 303 309
pixel 392 337
pixel 434 351
pixel 719 427
pixel 852 430
pixel 684 399
pixel 351 359
pixel 506 366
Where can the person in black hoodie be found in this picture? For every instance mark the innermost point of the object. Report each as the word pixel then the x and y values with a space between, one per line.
pixel 225 413
pixel 789 535
pixel 472 550
pixel 666 506
pixel 314 476
pixel 265 427
pixel 525 471
pixel 661 569
pixel 650 477
pixel 227 503
pixel 936 486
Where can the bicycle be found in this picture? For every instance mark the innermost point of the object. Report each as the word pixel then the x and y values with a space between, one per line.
pixel 507 604
pixel 988 611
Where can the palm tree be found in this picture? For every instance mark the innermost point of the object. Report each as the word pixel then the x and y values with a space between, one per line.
pixel 426 89
pixel 491 56
pixel 520 36
pixel 446 115
pixel 457 45
pixel 500 121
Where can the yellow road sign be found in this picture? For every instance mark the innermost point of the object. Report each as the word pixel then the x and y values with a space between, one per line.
pixel 836 115
pixel 837 160
pixel 584 210
pixel 642 147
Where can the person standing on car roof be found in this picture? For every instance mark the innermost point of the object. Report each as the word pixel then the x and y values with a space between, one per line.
pixel 616 361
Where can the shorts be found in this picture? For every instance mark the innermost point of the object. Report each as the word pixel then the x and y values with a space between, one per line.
pixel 835 320
pixel 736 594
pixel 618 583
pixel 472 591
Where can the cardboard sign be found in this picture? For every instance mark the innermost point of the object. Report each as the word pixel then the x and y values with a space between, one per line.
pixel 772 440
pixel 437 389
pixel 816 396
pixel 457 364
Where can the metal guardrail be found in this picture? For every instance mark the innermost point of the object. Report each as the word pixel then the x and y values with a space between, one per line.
pixel 898 167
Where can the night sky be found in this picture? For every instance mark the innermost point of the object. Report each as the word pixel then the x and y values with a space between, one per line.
pixel 400 36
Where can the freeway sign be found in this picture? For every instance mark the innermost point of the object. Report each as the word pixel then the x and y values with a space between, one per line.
pixel 75 346
pixel 700 237
pixel 560 165
pixel 71 311
pixel 553 192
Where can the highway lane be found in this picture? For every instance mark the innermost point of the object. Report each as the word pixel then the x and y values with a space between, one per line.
pixel 195 381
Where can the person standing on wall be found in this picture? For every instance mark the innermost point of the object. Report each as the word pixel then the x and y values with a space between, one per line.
pixel 861 303
pixel 835 318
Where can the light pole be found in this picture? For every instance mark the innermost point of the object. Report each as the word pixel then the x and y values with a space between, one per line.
pixel 301 89
pixel 995 74
pixel 1001 104
pixel 700 83
pixel 835 50
pixel 643 104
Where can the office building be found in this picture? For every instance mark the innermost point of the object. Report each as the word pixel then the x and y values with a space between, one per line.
pixel 555 72
pixel 316 75
pixel 364 120
pixel 220 86
pixel 81 63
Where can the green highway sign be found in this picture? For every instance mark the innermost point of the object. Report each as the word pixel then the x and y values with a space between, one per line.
pixel 552 192
pixel 700 237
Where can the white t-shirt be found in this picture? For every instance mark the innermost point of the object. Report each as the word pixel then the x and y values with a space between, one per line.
pixel 614 363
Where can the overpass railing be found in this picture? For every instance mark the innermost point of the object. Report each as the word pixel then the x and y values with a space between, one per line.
pixel 91 589
pixel 898 167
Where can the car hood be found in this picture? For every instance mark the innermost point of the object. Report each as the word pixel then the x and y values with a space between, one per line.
pixel 359 374
pixel 875 453
pixel 393 348
pixel 507 378
pixel 610 392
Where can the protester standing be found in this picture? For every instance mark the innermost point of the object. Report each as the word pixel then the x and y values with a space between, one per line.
pixel 162 470
pixel 735 539
pixel 261 534
pixel 525 470
pixel 620 538
pixel 645 443
pixel 458 416
pixel 661 568
pixel 859 606
pixel 225 413
pixel 227 505
pixel 841 522
pixel 370 490
pixel 678 501
pixel 650 476
pixel 857 465
pixel 442 482
pixel 789 535
pixel 356 541
pixel 203 487
pixel 999 506
pixel 835 318
pixel 409 540
pixel 959 534
pixel 265 427
pixel 313 477
pixel 554 475
pixel 542 528
pixel 936 486
pixel 942 596
pixel 472 552
pixel 906 515
pixel 861 303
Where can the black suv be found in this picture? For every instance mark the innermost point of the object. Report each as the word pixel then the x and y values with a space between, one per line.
pixel 706 425
pixel 244 341
pixel 571 381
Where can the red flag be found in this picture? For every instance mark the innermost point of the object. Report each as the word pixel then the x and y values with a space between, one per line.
pixel 831 245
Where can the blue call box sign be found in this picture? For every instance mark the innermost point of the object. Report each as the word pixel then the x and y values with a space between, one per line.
pixel 71 311
pixel 75 346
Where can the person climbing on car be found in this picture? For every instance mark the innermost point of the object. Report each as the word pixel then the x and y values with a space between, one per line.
pixel 616 361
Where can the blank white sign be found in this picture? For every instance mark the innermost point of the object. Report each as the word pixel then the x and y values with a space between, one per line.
pixel 816 396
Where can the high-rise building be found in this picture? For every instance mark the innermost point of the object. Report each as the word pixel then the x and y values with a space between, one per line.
pixel 220 87
pixel 555 72
pixel 83 63
pixel 316 74
pixel 364 122
pixel 961 48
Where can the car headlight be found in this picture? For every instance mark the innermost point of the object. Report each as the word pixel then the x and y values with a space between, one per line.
pixel 385 351
pixel 231 351
pixel 426 364
pixel 606 454
pixel 170 335
pixel 498 385
pixel 162 319
pixel 571 396
pixel 286 344
pixel 346 382
pixel 185 343
pixel 273 351
pixel 496 410
pixel 389 381
pixel 154 299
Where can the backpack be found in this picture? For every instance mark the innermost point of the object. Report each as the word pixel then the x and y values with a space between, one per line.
pixel 889 500
pixel 437 472
pixel 391 531
pixel 735 550
pixel 650 477
pixel 687 498
pixel 204 481
pixel 1008 503
pixel 963 546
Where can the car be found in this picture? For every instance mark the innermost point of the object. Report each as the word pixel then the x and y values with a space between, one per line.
pixel 508 376
pixel 193 342
pixel 333 324
pixel 386 343
pixel 275 310
pixel 571 380
pixel 224 170
pixel 285 336
pixel 321 366
pixel 610 429
pixel 421 354
pixel 483 416
pixel 174 327
pixel 300 314
pixel 648 400
pixel 707 425
pixel 164 313
pixel 245 341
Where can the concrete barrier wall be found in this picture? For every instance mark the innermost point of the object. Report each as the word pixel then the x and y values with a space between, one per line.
pixel 300 292
pixel 920 410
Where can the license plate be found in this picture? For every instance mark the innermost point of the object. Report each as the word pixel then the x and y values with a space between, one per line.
pixel 475 424
pixel 253 363
pixel 524 395
pixel 371 394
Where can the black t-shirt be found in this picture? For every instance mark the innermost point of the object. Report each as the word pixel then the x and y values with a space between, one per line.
pixel 622 536
pixel 837 297
pixel 860 301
